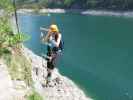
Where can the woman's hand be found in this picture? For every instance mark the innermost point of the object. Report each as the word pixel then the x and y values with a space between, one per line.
pixel 48 36
pixel 49 31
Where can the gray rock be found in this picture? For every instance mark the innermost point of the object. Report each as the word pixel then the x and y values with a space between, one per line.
pixel 59 88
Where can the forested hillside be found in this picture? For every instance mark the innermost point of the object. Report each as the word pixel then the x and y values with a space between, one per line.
pixel 80 4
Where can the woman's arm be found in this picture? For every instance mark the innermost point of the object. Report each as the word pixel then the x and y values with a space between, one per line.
pixel 46 38
pixel 44 29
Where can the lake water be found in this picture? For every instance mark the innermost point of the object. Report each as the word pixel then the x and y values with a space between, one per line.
pixel 98 53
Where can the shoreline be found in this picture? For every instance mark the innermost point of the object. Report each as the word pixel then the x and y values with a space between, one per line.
pixel 108 13
pixel 78 11
pixel 65 90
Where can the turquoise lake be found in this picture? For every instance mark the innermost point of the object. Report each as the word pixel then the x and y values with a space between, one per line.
pixel 98 53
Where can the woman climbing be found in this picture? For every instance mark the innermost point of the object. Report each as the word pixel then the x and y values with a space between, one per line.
pixel 53 41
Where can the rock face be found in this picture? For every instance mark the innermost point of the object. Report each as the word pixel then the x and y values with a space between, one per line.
pixel 60 88
pixel 5 83
pixel 7 89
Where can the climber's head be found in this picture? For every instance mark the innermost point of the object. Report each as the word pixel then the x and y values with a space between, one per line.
pixel 54 28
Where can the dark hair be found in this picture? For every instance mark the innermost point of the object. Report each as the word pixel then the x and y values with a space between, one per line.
pixel 56 37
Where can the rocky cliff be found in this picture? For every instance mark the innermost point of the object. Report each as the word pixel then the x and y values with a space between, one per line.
pixel 61 88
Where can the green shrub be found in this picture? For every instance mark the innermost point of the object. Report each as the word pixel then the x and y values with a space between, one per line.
pixel 17 38
pixel 34 96
pixel 4 51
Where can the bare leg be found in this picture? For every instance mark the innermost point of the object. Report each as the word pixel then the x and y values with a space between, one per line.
pixel 48 78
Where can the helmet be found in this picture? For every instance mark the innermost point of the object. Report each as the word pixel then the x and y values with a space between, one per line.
pixel 54 28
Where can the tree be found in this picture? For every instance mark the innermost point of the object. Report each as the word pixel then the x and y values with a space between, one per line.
pixel 68 2
pixel 7 38
pixel 43 2
pixel 5 28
